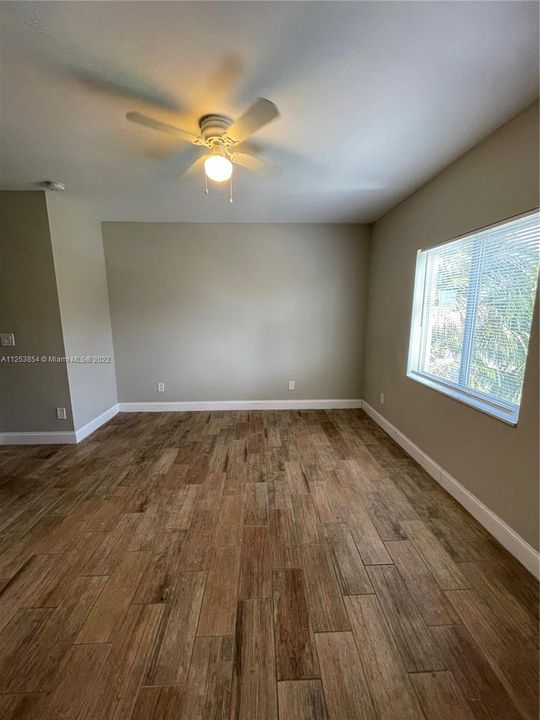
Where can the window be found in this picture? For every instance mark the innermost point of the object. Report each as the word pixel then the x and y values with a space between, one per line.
pixel 472 314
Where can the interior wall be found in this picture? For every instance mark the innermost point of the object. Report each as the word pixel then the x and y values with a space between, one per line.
pixel 496 462
pixel 30 392
pixel 84 305
pixel 235 311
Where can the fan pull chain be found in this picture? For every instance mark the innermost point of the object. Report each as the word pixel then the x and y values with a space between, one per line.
pixel 205 184
pixel 230 190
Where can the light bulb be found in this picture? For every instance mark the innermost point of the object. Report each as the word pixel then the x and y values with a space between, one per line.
pixel 218 168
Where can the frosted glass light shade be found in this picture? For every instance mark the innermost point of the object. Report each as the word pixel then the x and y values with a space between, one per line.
pixel 218 168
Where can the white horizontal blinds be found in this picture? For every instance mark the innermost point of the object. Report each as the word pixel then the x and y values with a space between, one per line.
pixel 476 310
pixel 444 309
pixel 500 316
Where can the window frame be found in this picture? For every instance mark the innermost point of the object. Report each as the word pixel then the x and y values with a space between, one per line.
pixel 506 412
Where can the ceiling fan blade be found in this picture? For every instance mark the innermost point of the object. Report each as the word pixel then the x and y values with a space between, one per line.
pixel 261 112
pixel 218 87
pixel 183 161
pixel 120 84
pixel 196 166
pixel 146 121
pixel 256 164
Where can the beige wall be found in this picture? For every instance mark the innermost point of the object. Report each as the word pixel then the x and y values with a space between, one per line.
pixel 84 305
pixel 233 312
pixel 30 392
pixel 496 462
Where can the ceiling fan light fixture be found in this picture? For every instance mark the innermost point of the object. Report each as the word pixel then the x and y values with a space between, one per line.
pixel 218 168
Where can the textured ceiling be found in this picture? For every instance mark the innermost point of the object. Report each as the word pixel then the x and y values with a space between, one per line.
pixel 375 98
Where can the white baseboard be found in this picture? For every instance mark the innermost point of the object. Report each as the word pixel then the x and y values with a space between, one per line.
pixel 497 527
pixel 38 438
pixel 96 423
pixel 238 405
pixel 58 438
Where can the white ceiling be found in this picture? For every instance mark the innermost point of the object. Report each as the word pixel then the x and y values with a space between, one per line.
pixel 375 98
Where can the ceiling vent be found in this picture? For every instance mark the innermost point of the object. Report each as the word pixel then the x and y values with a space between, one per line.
pixel 52 185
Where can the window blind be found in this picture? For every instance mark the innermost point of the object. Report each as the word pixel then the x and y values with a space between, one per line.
pixel 472 313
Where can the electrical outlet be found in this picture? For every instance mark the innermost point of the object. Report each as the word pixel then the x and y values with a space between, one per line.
pixel 161 387
pixel 7 340
pixel 61 413
pixel 292 384
pixel 382 398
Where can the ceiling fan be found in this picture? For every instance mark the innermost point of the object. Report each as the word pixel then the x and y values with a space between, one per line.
pixel 221 141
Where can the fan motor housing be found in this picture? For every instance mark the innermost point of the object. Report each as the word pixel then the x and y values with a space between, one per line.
pixel 214 125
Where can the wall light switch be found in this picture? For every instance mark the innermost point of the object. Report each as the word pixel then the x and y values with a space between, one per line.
pixel 382 398
pixel 292 384
pixel 161 387
pixel 61 413
pixel 7 340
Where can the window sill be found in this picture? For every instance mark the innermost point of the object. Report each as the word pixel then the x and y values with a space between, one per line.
pixel 510 417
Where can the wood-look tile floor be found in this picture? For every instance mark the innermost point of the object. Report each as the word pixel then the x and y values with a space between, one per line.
pixel 253 566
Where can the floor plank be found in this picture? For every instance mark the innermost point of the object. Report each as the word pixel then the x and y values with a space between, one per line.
pixel 505 607
pixel 440 696
pixel 126 663
pixel 367 539
pixel 159 577
pixel 428 596
pixel 218 611
pixel 182 506
pixel 197 550
pixel 388 682
pixel 208 691
pixel 445 571
pixel 301 700
pixel 229 525
pixel 20 707
pixel 282 528
pixel 78 682
pixel 24 624
pixel 26 586
pixel 413 638
pixel 511 661
pixel 344 683
pixel 474 675
pixel 324 597
pixel 254 692
pixel 255 504
pixel 305 518
pixel 108 612
pixel 255 564
pixel 351 573
pixel 158 703
pixel 110 551
pixel 325 512
pixel 296 478
pixel 295 652
pixel 169 663
pixel 31 665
